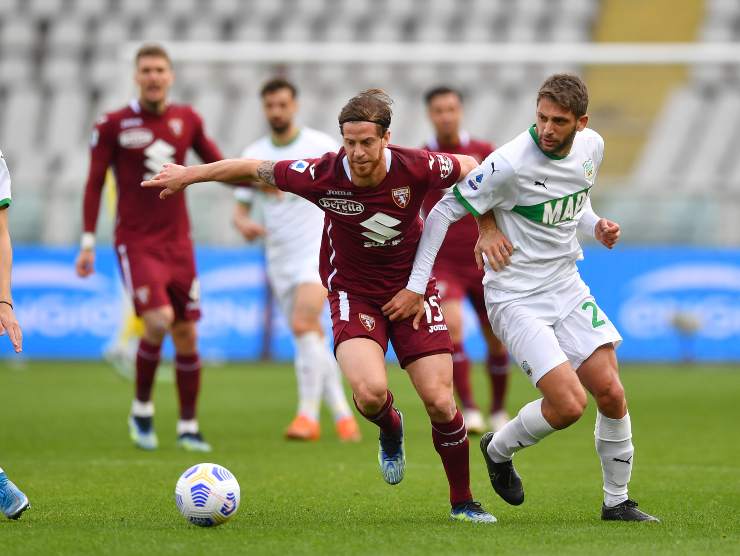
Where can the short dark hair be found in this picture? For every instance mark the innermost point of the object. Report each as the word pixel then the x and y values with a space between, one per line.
pixel 566 90
pixel 439 91
pixel 277 83
pixel 372 105
pixel 154 50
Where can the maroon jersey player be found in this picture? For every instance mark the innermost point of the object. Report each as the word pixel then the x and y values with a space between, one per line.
pixel 152 240
pixel 371 195
pixel 456 271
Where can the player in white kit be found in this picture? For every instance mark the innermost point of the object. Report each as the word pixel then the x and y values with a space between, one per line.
pixel 537 187
pixel 13 502
pixel 293 262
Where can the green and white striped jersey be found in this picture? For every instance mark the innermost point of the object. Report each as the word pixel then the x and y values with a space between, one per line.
pixel 538 200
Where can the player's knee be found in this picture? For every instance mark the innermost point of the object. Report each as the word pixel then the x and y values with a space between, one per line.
pixel 369 398
pixel 570 408
pixel 440 407
pixel 303 323
pixel 185 338
pixel 611 400
pixel 158 322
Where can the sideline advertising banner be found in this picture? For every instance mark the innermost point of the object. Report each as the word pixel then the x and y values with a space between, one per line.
pixel 670 304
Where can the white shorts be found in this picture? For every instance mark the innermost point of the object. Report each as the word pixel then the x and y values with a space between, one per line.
pixel 548 328
pixel 286 272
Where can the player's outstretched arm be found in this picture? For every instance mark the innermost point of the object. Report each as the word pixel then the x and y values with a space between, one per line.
pixel 174 178
pixel 410 300
pixel 467 164
pixel 8 323
pixel 492 243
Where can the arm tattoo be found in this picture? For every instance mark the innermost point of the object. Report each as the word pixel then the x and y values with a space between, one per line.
pixel 266 172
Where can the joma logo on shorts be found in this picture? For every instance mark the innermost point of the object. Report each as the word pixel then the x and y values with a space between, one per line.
pixel 342 206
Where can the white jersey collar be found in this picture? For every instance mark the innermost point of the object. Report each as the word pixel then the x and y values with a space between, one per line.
pixel 388 155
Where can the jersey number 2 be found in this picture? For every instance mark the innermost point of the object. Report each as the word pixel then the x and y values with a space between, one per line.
pixel 595 322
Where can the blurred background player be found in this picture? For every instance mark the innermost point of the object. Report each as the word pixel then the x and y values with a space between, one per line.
pixel 153 244
pixel 13 502
pixel 456 271
pixel 293 262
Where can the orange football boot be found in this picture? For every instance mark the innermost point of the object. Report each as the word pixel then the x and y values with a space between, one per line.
pixel 303 428
pixel 348 430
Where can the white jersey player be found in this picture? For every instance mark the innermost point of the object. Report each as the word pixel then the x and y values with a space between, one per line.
pixel 292 253
pixel 13 502
pixel 538 187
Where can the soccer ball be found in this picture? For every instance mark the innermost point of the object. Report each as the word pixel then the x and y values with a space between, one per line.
pixel 207 494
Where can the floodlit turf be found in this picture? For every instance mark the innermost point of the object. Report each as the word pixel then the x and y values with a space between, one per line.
pixel 63 439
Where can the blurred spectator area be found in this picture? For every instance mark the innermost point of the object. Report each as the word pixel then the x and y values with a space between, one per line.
pixel 61 66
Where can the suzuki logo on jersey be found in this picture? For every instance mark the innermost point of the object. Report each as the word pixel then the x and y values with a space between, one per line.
pixel 299 166
pixel 157 155
pixel 401 196
pixel 176 126
pixel 380 226
pixel 346 207
pixel 445 166
pixel 474 182
pixel 136 138
pixel 367 321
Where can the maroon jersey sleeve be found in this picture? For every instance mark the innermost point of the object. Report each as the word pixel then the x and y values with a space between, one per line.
pixel 301 176
pixel 102 143
pixel 444 170
pixel 203 145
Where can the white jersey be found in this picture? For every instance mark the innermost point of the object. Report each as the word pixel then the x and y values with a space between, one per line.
pixel 538 201
pixel 5 198
pixel 293 224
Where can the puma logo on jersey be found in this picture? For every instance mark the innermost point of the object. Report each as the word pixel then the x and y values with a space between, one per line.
pixel 542 183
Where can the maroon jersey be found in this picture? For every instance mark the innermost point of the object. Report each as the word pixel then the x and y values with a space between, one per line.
pixel 136 143
pixel 459 242
pixel 370 233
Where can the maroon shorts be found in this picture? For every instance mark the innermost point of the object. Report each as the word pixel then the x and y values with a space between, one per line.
pixel 458 283
pixel 355 316
pixel 156 277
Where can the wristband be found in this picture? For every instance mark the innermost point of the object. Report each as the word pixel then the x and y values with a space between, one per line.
pixel 8 303
pixel 87 241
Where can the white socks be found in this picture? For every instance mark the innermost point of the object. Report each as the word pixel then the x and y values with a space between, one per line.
pixel 309 364
pixel 190 426
pixel 615 449
pixel 333 390
pixel 318 376
pixel 526 429
pixel 142 409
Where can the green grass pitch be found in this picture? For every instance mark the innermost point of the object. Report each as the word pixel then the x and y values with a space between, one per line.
pixel 63 439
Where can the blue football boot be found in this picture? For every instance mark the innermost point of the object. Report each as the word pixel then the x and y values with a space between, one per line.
pixel 12 501
pixel 392 456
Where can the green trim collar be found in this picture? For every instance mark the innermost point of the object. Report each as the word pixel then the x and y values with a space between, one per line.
pixel 536 139
pixel 293 140
pixel 464 202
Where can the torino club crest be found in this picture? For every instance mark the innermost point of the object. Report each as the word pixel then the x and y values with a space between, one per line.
pixel 367 321
pixel 401 196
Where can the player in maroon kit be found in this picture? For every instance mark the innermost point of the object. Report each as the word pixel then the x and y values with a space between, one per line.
pixel 371 195
pixel 152 240
pixel 456 271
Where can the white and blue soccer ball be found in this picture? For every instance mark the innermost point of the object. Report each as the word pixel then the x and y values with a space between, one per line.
pixel 207 494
